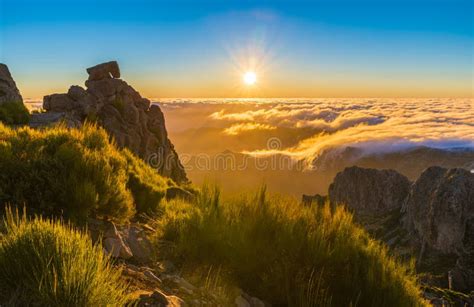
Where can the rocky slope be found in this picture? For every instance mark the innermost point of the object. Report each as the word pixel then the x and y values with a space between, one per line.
pixel 131 119
pixel 156 282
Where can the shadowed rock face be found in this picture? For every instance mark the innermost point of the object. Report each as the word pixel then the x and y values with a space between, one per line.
pixel 8 90
pixel 440 206
pixel 119 108
pixel 439 214
pixel 369 190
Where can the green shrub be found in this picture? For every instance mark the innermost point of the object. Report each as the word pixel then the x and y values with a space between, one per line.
pixel 286 253
pixel 78 172
pixel 14 113
pixel 147 187
pixel 48 263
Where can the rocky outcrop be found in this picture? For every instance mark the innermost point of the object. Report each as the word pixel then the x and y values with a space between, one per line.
pixel 439 214
pixel 132 120
pixel 8 90
pixel 440 206
pixel 369 190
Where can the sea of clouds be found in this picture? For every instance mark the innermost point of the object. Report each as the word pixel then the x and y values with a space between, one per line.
pixel 373 125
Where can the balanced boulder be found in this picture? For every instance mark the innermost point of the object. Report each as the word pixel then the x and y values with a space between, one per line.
pixel 104 71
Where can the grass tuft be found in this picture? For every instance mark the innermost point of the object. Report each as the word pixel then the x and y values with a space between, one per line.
pixel 49 263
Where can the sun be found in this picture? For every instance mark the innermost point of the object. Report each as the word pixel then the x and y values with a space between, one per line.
pixel 250 78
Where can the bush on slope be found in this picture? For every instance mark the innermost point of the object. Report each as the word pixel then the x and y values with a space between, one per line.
pixel 78 172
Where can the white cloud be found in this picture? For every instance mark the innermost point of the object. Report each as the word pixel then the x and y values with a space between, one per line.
pixel 237 129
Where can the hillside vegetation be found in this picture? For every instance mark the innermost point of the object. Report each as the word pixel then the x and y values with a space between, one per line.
pixel 78 172
pixel 272 247
pixel 286 253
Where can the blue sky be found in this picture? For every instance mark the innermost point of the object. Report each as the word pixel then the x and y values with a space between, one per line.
pixel 321 48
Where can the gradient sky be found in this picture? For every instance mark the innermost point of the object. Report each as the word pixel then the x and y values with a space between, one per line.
pixel 320 48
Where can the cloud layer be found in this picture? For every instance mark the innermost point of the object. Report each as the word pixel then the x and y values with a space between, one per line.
pixel 375 125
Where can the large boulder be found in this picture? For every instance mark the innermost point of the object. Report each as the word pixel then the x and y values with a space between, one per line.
pixel 369 191
pixel 8 90
pixel 104 71
pixel 58 102
pixel 132 120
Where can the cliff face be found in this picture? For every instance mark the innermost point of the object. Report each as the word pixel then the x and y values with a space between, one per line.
pixel 434 215
pixel 439 213
pixel 440 206
pixel 131 119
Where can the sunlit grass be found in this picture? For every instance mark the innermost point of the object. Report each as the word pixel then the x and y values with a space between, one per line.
pixel 49 263
pixel 286 253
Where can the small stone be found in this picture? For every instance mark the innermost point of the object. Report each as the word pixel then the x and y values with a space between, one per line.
pixel 241 302
pixel 183 283
pixel 150 275
pixel 117 248
pixel 111 231
pixel 174 301
pixel 160 297
pixel 255 302
pixel 139 245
